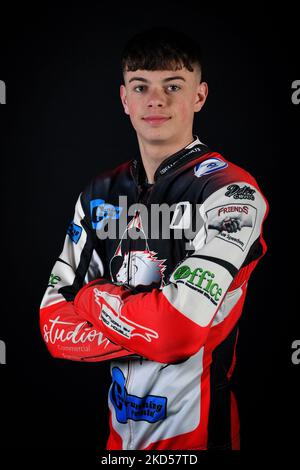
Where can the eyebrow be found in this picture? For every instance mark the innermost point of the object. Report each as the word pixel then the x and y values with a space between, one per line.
pixel 168 79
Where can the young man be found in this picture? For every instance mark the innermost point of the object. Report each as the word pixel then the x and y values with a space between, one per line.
pixel 162 307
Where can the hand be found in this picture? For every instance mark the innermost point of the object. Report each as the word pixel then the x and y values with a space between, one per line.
pixel 229 224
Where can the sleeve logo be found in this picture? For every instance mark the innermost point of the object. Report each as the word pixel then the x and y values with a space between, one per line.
pixel 209 166
pixel 53 280
pixel 233 223
pixel 201 280
pixel 74 231
pixel 111 315
pixel 235 191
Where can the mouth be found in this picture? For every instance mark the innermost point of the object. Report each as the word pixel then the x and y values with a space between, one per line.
pixel 156 120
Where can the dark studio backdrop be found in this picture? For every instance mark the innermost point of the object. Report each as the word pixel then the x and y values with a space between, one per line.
pixel 62 124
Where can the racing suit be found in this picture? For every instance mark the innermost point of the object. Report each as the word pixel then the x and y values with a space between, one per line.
pixel 163 309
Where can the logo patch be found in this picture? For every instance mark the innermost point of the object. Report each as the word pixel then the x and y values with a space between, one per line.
pixel 209 166
pixel 200 279
pixel 150 408
pixel 53 280
pixel 100 211
pixel 111 315
pixel 233 223
pixel 74 231
pixel 235 191
pixel 144 266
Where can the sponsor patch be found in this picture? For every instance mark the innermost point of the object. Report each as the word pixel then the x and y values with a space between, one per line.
pixel 53 280
pixel 201 280
pixel 74 231
pixel 59 331
pixel 209 166
pixel 110 314
pixel 237 192
pixel 101 211
pixel 149 408
pixel 233 223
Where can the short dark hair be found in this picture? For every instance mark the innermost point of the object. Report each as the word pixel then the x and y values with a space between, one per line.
pixel 161 49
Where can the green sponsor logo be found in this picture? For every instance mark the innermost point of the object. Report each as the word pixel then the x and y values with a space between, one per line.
pixel 201 279
pixel 53 280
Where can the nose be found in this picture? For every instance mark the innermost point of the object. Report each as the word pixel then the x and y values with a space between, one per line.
pixel 157 99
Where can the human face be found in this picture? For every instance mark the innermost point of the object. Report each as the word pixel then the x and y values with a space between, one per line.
pixel 161 103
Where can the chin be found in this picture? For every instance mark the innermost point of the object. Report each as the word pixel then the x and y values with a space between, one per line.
pixel 157 137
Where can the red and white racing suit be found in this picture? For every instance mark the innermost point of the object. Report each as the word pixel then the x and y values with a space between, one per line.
pixel 164 310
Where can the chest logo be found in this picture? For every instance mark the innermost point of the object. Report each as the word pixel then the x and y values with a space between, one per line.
pixel 151 408
pixel 140 266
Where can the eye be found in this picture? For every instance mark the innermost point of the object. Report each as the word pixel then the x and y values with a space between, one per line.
pixel 139 88
pixel 173 88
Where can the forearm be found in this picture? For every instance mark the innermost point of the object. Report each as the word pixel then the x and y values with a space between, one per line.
pixel 69 336
pixel 145 323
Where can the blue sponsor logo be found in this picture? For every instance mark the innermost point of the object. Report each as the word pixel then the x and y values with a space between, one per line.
pixel 150 408
pixel 74 231
pixel 209 166
pixel 101 211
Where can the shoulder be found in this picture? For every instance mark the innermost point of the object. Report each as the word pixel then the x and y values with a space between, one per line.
pixel 101 184
pixel 228 184
pixel 214 171
pixel 105 187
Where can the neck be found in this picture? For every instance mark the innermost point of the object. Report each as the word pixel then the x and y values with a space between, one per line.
pixel 154 154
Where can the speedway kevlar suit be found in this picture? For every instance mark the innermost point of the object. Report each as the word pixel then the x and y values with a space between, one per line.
pixel 164 310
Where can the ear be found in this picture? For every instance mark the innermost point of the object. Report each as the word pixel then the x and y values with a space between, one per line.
pixel 202 92
pixel 123 97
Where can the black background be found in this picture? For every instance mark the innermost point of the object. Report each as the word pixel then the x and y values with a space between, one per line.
pixel 63 123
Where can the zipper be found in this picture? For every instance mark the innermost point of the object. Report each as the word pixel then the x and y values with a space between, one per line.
pixel 130 424
pixel 147 194
pixel 143 197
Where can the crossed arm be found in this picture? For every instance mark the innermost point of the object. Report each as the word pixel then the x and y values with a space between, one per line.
pixel 102 321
